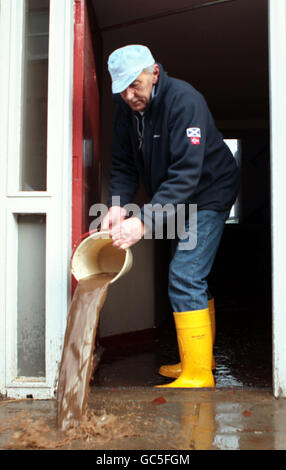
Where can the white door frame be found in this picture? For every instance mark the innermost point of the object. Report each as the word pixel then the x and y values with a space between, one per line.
pixel 55 202
pixel 277 53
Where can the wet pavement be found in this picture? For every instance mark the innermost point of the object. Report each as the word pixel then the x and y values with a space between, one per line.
pixel 173 420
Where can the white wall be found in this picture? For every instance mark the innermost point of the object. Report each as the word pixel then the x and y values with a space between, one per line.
pixel 130 305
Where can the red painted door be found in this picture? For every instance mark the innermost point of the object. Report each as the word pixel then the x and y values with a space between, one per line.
pixel 86 185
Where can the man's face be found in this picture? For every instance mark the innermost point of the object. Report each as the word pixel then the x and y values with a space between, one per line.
pixel 138 94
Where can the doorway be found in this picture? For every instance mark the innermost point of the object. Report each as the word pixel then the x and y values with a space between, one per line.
pixel 221 48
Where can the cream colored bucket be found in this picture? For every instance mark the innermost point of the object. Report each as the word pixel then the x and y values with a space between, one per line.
pixel 96 254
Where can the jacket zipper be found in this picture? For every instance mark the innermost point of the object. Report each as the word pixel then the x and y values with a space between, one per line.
pixel 140 134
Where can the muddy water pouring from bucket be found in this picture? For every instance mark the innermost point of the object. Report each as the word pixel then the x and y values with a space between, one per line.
pixel 96 264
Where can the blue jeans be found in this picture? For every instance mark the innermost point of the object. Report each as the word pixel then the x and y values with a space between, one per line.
pixel 189 268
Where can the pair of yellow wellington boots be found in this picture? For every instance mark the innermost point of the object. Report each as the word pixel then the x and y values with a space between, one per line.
pixel 195 335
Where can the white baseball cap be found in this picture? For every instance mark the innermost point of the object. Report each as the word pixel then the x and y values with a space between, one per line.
pixel 126 64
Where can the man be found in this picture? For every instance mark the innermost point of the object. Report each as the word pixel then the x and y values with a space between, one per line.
pixel 164 134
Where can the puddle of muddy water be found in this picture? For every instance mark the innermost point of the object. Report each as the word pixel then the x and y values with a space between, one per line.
pixel 26 432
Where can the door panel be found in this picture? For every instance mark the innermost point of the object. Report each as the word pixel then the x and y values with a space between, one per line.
pixel 36 51
pixel 86 126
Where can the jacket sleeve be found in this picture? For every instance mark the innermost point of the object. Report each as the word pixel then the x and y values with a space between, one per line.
pixel 188 123
pixel 124 178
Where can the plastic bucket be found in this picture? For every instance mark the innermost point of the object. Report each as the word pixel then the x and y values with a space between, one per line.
pixel 96 254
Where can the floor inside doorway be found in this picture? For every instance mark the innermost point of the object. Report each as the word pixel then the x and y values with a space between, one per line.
pixel 243 353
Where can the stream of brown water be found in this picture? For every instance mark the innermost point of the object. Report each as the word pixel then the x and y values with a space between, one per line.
pixel 76 364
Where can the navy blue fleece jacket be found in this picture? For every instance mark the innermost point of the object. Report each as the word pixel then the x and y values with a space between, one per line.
pixel 185 160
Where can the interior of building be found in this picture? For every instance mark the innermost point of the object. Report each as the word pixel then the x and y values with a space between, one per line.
pixel 221 48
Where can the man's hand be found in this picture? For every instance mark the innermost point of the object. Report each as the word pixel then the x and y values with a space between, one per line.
pixel 115 216
pixel 128 232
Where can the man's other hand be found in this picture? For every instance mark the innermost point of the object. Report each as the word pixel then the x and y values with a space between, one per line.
pixel 128 232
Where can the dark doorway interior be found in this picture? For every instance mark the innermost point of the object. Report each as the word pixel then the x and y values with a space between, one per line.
pixel 222 50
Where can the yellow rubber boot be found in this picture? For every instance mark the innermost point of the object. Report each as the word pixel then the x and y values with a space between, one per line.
pixel 195 346
pixel 174 370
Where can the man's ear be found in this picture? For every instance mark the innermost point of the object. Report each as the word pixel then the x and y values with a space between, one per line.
pixel 156 74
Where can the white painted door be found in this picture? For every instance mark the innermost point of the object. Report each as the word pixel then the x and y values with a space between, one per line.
pixel 36 51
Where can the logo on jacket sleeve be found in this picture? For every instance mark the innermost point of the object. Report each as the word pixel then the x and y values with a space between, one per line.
pixel 194 133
